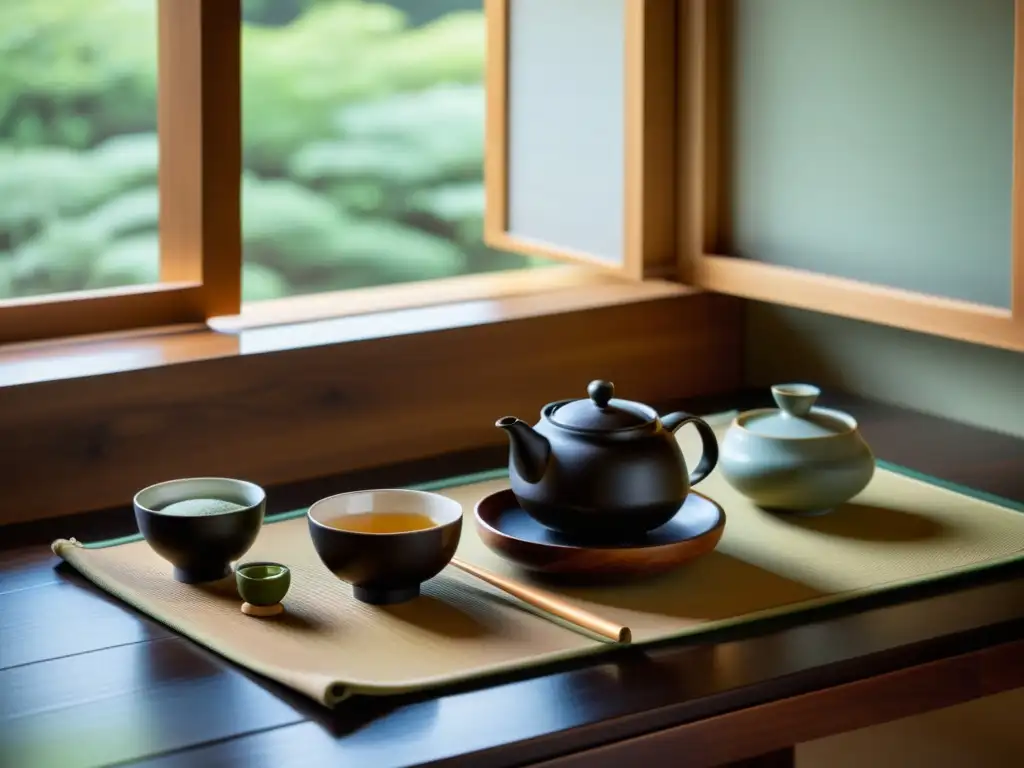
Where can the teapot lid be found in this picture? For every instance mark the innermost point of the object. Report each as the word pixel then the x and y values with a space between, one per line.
pixel 601 412
pixel 796 416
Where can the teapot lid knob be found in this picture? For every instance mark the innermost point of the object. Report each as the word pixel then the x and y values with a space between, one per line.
pixel 601 392
pixel 599 412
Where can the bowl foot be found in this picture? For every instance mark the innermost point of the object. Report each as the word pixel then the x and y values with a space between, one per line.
pixel 385 596
pixel 200 574
pixel 262 611
pixel 801 512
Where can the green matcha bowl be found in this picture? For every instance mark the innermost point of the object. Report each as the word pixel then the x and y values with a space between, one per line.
pixel 200 525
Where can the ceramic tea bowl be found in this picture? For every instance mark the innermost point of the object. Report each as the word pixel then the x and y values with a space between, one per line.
pixel 262 584
pixel 799 457
pixel 385 568
pixel 201 524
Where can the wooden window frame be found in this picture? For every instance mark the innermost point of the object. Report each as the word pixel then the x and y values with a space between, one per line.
pixel 701 83
pixel 673 190
pixel 200 170
pixel 674 115
pixel 649 241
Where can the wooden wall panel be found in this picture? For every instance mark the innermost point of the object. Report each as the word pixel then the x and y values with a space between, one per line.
pixel 87 443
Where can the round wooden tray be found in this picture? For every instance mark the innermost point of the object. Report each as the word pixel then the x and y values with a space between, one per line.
pixel 507 530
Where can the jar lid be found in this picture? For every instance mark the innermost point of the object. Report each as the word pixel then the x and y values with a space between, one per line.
pixel 601 412
pixel 796 417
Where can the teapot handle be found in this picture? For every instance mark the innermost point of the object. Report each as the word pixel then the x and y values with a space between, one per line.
pixel 709 443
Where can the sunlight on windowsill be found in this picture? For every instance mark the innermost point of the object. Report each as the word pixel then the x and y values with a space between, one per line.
pixel 575 290
pixel 411 295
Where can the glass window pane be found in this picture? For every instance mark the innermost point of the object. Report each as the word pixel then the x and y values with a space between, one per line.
pixel 78 147
pixel 363 132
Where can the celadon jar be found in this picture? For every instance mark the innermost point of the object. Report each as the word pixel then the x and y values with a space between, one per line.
pixel 798 457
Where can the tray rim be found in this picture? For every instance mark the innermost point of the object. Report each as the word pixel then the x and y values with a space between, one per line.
pixel 718 527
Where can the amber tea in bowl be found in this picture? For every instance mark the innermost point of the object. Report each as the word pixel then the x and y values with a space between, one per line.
pixel 385 543
pixel 382 522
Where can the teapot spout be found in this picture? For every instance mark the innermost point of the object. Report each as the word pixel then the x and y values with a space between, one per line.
pixel 529 449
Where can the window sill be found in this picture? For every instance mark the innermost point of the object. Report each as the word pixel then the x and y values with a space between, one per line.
pixel 280 404
pixel 494 286
pixel 303 322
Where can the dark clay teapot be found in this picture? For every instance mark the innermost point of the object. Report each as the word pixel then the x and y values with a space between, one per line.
pixel 603 467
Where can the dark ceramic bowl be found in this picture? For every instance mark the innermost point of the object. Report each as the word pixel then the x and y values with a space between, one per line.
pixel 386 568
pixel 200 548
pixel 262 584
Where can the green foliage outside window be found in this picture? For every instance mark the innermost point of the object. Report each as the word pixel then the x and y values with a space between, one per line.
pixel 362 138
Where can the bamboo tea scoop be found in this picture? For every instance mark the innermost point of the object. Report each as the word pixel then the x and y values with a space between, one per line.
pixel 550 603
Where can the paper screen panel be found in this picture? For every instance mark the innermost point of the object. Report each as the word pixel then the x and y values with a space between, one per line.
pixel 566 126
pixel 872 140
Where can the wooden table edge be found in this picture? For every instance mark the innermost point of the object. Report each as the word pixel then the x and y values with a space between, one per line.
pixel 766 730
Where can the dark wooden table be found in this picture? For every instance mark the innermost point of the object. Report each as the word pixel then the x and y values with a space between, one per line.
pixel 85 681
